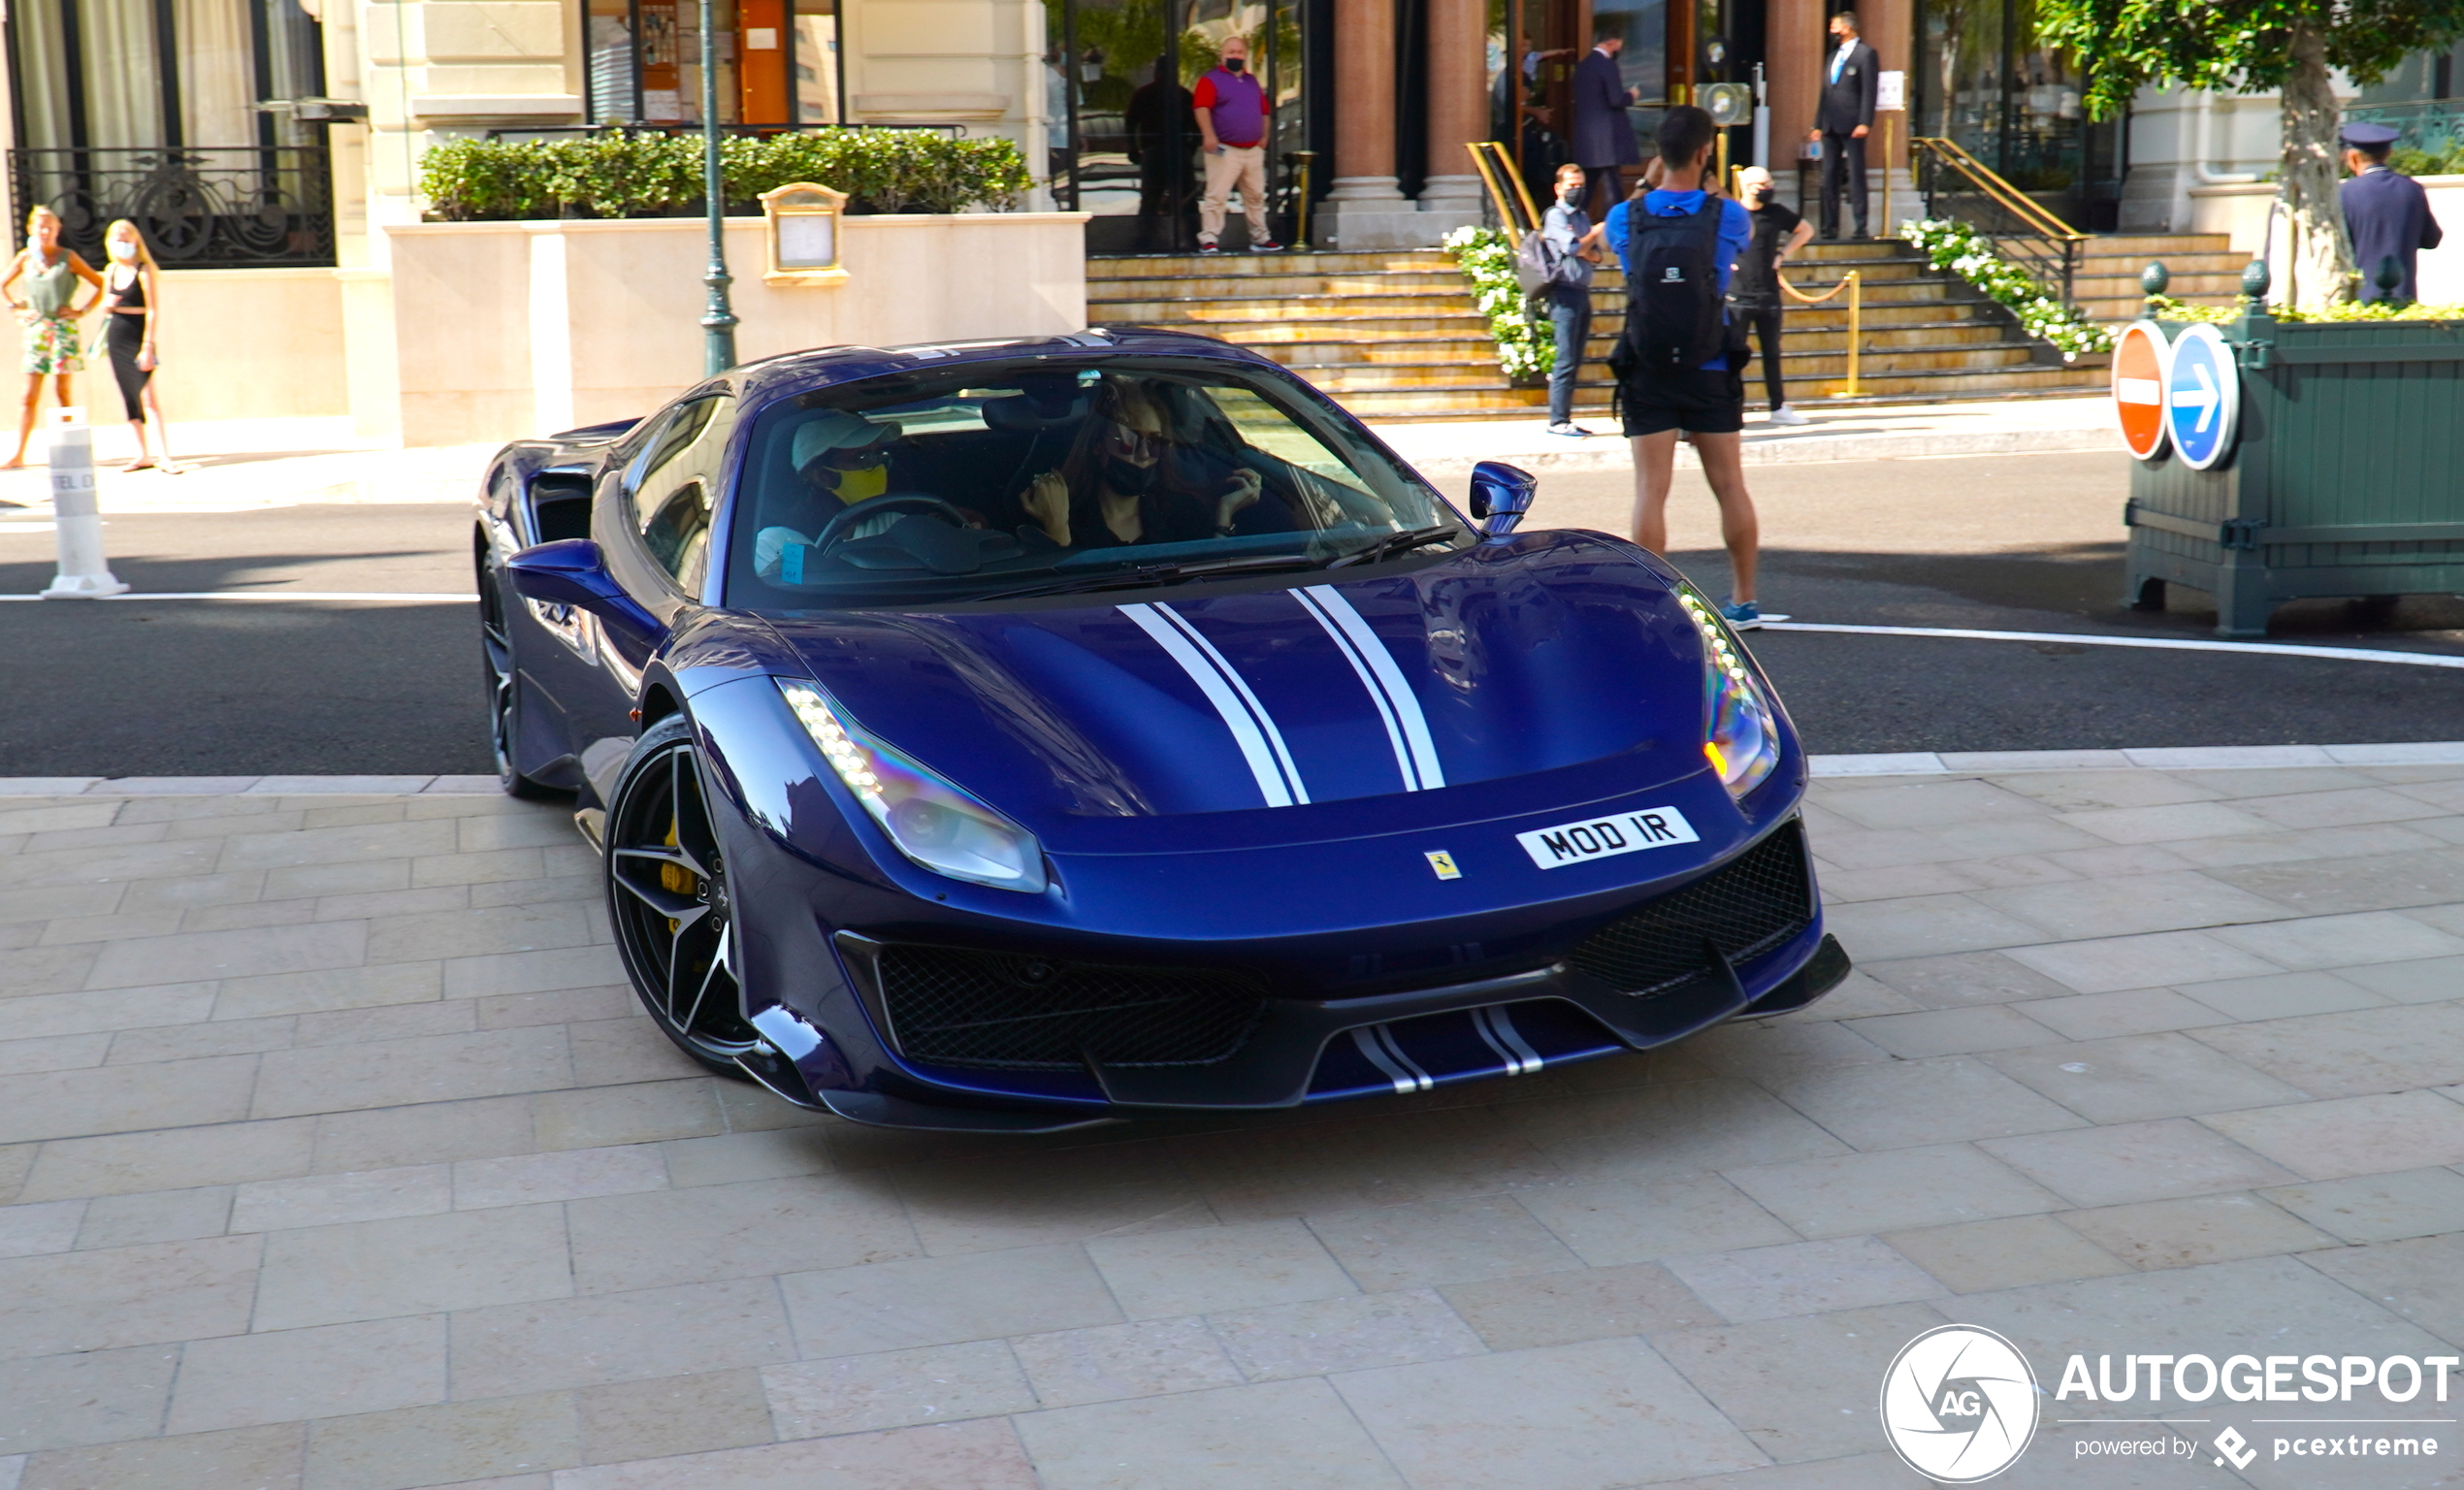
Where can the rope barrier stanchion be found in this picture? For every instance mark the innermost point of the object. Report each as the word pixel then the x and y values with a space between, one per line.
pixel 1856 316
pixel 77 521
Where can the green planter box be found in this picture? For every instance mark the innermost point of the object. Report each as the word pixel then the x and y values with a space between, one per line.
pixel 2347 477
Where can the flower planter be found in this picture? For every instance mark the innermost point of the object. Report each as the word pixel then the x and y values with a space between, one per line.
pixel 492 331
pixel 2342 481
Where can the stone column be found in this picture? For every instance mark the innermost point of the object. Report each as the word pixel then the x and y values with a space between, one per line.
pixel 1793 64
pixel 1889 27
pixel 1364 210
pixel 1458 111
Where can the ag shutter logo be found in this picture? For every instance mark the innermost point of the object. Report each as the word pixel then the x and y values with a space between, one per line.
pixel 1958 1403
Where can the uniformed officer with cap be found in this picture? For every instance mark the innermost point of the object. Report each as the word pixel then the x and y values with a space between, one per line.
pixel 2387 215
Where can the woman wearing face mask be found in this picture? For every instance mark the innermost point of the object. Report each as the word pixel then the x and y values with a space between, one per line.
pixel 128 334
pixel 1778 233
pixel 1116 487
pixel 1573 248
pixel 47 306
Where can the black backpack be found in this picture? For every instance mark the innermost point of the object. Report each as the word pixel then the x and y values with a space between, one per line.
pixel 1675 316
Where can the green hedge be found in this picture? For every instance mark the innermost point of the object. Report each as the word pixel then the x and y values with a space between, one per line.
pixel 660 175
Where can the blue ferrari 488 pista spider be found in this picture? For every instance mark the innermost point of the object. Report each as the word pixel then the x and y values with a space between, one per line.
pixel 1012 735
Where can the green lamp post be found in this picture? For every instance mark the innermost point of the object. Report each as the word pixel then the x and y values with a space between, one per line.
pixel 718 318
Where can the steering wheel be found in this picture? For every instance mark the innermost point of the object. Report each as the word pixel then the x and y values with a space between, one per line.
pixel 835 529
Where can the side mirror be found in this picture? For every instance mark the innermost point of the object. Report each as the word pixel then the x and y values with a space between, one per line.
pixel 570 571
pixel 1501 494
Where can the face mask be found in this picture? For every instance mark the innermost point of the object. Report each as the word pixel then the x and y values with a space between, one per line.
pixel 855 486
pixel 122 251
pixel 1762 196
pixel 1571 195
pixel 1235 64
pixel 1127 477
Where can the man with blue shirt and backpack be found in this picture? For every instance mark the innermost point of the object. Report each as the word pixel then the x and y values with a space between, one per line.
pixel 1679 362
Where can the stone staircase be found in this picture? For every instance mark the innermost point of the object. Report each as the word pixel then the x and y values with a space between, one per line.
pixel 2203 270
pixel 1394 336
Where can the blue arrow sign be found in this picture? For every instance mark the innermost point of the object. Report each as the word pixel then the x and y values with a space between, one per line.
pixel 2202 398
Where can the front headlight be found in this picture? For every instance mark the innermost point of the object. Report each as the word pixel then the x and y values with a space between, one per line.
pixel 932 821
pixel 1740 737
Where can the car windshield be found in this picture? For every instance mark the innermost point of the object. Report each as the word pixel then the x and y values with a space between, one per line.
pixel 1043 477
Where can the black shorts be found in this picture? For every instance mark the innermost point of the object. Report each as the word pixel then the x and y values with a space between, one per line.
pixel 1697 400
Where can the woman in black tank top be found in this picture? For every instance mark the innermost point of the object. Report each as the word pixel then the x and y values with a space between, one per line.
pixel 129 289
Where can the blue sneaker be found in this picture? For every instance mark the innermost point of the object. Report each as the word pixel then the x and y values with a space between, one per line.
pixel 1745 615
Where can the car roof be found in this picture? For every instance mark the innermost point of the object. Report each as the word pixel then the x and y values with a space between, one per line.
pixel 797 372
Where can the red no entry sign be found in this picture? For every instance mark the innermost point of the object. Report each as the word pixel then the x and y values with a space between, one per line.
pixel 2138 387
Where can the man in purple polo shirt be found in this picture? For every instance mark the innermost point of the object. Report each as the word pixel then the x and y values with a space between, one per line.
pixel 1232 112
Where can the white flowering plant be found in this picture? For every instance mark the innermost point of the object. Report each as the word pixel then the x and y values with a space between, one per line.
pixel 1973 257
pixel 1526 345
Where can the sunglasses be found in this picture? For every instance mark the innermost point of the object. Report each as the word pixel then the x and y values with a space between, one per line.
pixel 1133 444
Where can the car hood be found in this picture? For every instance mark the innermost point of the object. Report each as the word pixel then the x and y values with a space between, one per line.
pixel 1322 707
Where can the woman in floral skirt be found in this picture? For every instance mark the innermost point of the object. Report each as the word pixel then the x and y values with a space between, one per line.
pixel 41 287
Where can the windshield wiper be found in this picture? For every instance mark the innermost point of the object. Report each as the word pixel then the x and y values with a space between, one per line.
pixel 1394 543
pixel 1147 574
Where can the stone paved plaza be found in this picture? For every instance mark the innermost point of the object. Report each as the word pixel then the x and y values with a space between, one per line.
pixel 334 1156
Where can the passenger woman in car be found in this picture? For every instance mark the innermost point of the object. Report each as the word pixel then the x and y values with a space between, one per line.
pixel 1127 480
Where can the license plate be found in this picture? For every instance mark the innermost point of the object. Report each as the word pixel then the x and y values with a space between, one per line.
pixel 1625 833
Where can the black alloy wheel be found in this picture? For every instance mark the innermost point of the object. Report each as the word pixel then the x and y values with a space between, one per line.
pixel 667 895
pixel 505 694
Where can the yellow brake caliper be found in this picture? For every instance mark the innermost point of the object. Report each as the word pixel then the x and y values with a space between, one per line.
pixel 676 878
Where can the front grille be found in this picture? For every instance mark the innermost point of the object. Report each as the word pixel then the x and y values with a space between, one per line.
pixel 1746 909
pixel 1016 1013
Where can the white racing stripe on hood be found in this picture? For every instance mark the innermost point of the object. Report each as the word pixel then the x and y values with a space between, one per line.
pixel 1369 681
pixel 1253 728
pixel 1416 754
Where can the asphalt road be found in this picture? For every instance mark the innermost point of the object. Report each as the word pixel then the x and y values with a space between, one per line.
pixel 2015 543
pixel 188 688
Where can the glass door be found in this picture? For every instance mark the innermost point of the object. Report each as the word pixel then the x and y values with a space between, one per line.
pixel 1984 83
pixel 1125 142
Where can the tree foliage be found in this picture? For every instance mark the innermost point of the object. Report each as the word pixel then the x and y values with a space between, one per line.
pixel 2236 46
pixel 2286 47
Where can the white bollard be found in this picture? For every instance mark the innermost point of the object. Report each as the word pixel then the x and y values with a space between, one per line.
pixel 85 574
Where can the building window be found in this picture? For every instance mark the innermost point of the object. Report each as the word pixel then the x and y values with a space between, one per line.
pixel 172 112
pixel 778 61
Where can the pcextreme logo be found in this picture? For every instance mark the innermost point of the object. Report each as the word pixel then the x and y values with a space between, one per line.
pixel 1958 1403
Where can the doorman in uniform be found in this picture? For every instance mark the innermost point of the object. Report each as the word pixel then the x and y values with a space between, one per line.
pixel 2387 215
pixel 1851 78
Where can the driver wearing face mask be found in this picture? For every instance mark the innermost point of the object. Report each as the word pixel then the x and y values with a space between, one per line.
pixel 841 459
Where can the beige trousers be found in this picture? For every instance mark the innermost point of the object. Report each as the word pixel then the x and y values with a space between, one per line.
pixel 1239 166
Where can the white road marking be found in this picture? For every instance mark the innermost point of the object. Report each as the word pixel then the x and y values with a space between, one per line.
pixel 423 597
pixel 2152 643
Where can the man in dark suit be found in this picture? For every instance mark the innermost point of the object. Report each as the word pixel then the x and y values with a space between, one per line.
pixel 1603 140
pixel 1844 118
pixel 2387 215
